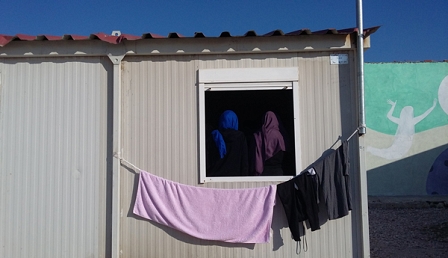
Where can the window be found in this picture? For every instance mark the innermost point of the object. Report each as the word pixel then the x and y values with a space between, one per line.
pixel 250 93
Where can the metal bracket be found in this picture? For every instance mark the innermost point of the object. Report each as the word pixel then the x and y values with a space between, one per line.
pixel 115 59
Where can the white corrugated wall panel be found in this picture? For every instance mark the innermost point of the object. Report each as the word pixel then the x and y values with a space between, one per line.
pixel 159 135
pixel 53 142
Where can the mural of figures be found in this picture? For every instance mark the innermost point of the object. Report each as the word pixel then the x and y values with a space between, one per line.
pixel 406 108
pixel 405 131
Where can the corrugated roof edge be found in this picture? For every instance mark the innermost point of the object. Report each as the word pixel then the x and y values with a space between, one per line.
pixel 5 39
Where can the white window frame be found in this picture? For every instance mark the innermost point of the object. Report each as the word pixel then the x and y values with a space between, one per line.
pixel 247 79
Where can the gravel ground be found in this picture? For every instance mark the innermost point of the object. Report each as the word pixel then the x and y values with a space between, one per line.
pixel 408 228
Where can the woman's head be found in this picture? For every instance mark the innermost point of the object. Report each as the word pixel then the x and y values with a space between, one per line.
pixel 228 120
pixel 407 112
pixel 270 120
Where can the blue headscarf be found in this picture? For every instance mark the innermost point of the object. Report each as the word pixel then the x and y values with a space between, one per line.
pixel 227 120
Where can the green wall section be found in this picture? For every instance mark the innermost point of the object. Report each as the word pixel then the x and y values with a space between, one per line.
pixel 404 161
pixel 410 84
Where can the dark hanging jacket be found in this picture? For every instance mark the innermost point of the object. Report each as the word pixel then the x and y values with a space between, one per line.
pixel 334 182
pixel 299 200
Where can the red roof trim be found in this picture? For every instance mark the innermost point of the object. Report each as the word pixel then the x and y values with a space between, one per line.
pixel 5 39
pixel 74 37
pixel 48 37
pixel 151 36
pixel 24 37
pixel 112 39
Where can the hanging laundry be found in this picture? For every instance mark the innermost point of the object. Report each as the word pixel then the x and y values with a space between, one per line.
pixel 334 182
pixel 299 200
pixel 327 179
pixel 229 215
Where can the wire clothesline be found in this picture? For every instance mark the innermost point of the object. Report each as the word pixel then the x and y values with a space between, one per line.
pixel 357 129
pixel 122 160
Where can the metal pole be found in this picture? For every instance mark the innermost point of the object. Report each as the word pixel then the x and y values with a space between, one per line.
pixel 360 49
pixel 363 198
pixel 115 238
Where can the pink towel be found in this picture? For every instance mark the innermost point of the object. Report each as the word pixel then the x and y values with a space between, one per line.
pixel 229 215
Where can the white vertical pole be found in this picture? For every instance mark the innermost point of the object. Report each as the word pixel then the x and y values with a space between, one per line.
pixel 360 49
pixel 364 216
pixel 116 145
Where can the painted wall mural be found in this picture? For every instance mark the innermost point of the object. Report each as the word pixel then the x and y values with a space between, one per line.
pixel 405 132
pixel 437 181
pixel 407 120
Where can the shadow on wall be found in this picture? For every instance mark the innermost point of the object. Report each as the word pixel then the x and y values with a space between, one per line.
pixel 437 182
pixel 408 176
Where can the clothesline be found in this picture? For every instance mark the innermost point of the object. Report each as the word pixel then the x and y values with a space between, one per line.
pixel 122 160
pixel 117 156
pixel 357 129
pixel 153 189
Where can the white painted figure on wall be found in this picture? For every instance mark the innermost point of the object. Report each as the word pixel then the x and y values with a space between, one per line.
pixel 405 132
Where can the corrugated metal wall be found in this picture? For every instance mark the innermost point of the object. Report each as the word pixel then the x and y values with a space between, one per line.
pixel 160 135
pixel 53 144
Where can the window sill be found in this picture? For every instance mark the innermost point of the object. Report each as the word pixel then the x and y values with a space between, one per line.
pixel 247 179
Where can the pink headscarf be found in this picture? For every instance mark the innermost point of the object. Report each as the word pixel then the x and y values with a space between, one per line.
pixel 268 141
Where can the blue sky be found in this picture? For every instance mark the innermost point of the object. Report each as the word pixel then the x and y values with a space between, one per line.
pixel 411 30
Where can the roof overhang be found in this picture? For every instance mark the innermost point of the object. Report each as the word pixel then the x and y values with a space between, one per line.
pixel 101 44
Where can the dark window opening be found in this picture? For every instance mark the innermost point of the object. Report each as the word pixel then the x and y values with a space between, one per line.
pixel 250 106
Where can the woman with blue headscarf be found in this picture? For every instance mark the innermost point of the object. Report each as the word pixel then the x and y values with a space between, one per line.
pixel 227 154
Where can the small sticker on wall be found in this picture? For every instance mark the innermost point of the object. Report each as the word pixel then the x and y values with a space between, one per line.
pixel 339 59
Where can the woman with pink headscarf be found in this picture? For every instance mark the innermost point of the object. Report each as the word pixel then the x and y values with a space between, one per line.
pixel 269 147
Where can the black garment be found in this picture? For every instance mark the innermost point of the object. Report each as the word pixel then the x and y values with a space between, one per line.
pixel 273 166
pixel 334 182
pixel 235 162
pixel 299 203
